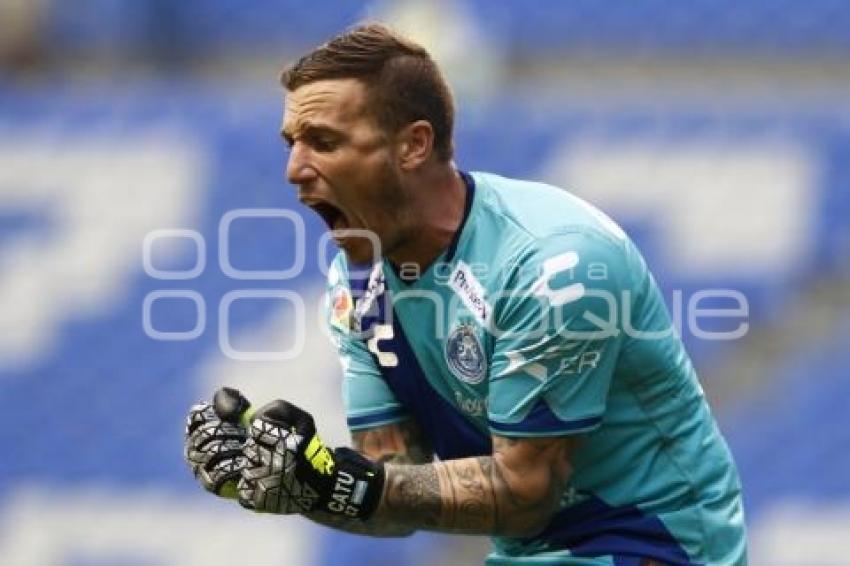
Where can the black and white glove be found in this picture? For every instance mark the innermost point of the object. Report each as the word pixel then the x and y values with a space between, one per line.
pixel 290 470
pixel 214 440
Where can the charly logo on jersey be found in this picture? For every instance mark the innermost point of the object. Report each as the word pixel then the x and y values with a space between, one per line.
pixel 464 354
pixel 366 304
pixel 560 263
pixel 380 333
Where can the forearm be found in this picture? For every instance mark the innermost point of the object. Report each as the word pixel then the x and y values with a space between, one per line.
pixel 467 496
pixel 513 492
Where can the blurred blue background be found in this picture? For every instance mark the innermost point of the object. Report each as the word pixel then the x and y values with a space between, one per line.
pixel 139 140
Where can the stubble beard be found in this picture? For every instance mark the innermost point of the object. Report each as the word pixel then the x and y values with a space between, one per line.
pixel 394 221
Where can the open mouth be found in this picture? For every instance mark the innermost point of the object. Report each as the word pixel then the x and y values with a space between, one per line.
pixel 332 216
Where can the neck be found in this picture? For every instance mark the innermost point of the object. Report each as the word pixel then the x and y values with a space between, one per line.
pixel 436 214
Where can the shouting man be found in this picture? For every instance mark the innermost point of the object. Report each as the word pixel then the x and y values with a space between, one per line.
pixel 510 368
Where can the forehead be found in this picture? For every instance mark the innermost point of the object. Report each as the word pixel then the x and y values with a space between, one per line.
pixel 333 101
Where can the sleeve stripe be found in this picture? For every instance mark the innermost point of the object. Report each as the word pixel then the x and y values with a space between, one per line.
pixel 380 417
pixel 548 428
pixel 541 419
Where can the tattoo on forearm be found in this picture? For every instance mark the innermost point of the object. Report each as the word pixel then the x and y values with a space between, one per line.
pixel 474 495
pixel 460 496
pixel 474 503
pixel 414 494
pixel 483 495
pixel 453 496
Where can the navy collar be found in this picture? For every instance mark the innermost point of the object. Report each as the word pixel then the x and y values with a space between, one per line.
pixel 469 182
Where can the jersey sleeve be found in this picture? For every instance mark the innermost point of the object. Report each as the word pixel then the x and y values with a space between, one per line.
pixel 367 398
pixel 557 337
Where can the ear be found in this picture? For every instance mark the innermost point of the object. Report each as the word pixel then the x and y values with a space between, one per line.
pixel 415 143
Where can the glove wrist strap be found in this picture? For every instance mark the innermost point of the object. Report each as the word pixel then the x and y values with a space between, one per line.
pixel 356 487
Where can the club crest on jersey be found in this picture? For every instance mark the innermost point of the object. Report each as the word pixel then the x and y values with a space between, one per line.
pixel 465 356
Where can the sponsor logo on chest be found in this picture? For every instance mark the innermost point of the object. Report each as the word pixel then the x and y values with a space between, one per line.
pixel 464 283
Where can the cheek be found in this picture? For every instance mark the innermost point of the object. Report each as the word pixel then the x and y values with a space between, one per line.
pixel 374 190
pixel 383 208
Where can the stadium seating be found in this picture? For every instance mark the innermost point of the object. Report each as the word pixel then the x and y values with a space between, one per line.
pixel 705 27
pixel 103 402
pixel 786 441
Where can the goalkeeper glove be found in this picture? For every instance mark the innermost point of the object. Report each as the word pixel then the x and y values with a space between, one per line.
pixel 290 470
pixel 214 440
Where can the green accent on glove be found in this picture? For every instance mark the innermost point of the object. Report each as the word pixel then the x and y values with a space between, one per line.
pixel 290 470
pixel 228 490
pixel 214 440
pixel 319 456
pixel 246 417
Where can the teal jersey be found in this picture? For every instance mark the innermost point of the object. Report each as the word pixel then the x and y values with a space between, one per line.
pixel 542 319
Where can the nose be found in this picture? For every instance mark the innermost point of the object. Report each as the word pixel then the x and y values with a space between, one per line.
pixel 299 170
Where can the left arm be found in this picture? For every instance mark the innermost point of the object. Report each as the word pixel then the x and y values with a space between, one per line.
pixel 512 492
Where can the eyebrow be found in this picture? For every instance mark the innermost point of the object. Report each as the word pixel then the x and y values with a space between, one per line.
pixel 309 129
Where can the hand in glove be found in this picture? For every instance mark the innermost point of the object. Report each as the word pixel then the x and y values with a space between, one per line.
pixel 289 470
pixel 214 439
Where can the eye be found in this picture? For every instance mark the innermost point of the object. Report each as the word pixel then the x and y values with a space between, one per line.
pixel 325 143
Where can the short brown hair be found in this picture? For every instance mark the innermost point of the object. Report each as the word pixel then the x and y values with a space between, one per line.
pixel 403 82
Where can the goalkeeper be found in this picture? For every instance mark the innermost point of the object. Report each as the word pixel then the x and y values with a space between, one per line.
pixel 510 368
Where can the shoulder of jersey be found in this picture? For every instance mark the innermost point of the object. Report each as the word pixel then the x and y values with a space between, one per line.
pixel 538 210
